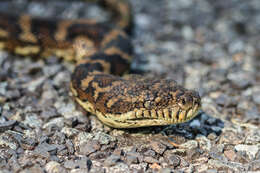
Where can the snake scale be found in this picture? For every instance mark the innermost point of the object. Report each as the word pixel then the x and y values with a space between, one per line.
pixel 103 52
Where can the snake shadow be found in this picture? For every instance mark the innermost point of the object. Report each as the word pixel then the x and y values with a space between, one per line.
pixel 203 124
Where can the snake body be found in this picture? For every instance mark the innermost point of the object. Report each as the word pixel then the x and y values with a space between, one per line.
pixel 103 52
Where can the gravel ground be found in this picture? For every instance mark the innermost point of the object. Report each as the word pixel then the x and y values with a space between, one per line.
pixel 211 46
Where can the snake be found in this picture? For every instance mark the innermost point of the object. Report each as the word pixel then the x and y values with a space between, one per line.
pixel 102 52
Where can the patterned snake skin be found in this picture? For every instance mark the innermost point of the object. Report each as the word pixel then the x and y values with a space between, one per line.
pixel 103 52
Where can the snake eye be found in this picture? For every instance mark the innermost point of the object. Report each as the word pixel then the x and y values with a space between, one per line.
pixel 183 101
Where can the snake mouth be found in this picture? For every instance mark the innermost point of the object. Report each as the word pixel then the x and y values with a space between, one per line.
pixel 183 116
pixel 164 117
pixel 170 116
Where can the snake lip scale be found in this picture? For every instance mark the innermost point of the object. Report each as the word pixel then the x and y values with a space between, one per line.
pixel 103 52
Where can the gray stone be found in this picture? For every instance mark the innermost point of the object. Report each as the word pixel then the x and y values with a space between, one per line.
pixel 6 140
pixel 212 171
pixel 195 123
pixel 7 125
pixel 256 97
pixel 119 166
pixel 219 164
pixel 49 113
pixel 253 137
pixel 32 120
pixel 69 132
pixel 212 136
pixel 137 155
pixel 45 148
pixel 140 167
pixel 252 113
pixel 230 137
pixel 251 150
pixel 82 163
pixel 103 138
pixel 131 159
pixel 55 122
pixel 204 142
pixel 112 160
pixel 70 146
pixel 158 147
pixel 89 147
pixel 152 160
pixel 54 167
pixel 149 153
pixel 3 88
pixel 13 94
pixel 240 79
pixel 191 144
pixel 36 168
pixel 173 160
pixel 28 143
pixel 81 171
pixel 5 171
pixel 254 165
pixel 223 100
pixel 166 170
pixel 34 84
pixel 52 70
pixel 83 137
pixel 216 129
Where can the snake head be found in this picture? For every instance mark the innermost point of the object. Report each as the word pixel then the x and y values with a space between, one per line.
pixel 151 103
pixel 131 103
pixel 188 105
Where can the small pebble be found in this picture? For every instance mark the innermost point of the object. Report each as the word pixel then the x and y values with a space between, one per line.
pixel 173 160
pixel 89 147
pixel 54 167
pixel 251 150
pixel 158 147
pixel 112 160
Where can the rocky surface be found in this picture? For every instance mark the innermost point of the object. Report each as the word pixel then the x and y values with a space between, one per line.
pixel 211 46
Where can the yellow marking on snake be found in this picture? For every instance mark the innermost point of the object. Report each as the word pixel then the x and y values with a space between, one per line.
pixel 111 36
pixel 111 102
pixel 2 45
pixel 62 31
pixel 83 46
pixel 26 35
pixel 3 33
pixel 28 50
pixel 114 50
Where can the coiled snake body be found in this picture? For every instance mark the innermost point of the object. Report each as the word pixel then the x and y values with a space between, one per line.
pixel 103 52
